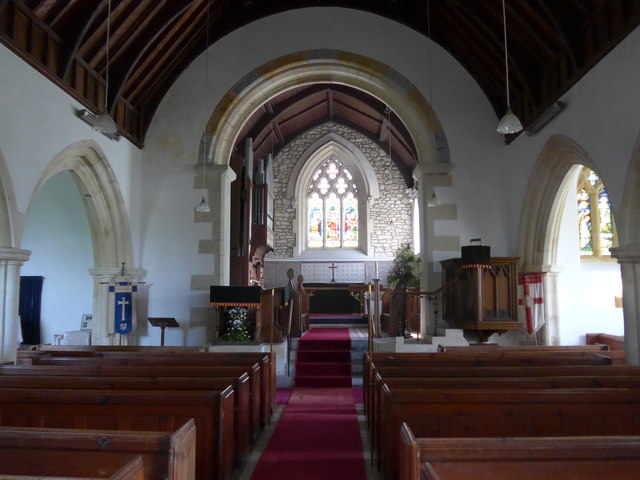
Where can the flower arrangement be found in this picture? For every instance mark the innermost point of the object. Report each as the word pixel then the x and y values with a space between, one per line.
pixel 235 325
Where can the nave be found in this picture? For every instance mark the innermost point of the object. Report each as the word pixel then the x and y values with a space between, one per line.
pixel 476 412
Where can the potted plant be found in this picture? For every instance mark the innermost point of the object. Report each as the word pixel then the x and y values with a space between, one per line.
pixel 404 273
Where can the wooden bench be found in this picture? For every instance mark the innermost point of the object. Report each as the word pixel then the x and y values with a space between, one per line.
pixel 614 342
pixel 242 427
pixel 504 413
pixel 481 348
pixel 266 362
pixel 165 411
pixel 259 381
pixel 490 383
pixel 131 470
pixel 97 453
pixel 443 364
pixel 524 458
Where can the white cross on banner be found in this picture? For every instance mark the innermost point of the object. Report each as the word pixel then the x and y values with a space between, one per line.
pixel 123 307
pixel 531 301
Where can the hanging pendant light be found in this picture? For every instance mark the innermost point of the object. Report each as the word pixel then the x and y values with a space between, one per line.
pixel 509 123
pixel 434 201
pixel 203 206
pixel 104 123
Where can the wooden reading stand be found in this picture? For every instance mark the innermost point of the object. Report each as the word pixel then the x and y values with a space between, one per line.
pixel 163 322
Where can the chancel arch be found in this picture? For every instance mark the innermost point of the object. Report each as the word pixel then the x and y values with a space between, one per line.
pixel 325 67
pixel 549 242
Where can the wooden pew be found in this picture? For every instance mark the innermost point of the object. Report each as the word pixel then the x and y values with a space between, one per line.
pixel 135 410
pixel 614 342
pixel 506 413
pixel 133 469
pixel 491 348
pixel 265 360
pixel 514 382
pixel 243 436
pixel 410 364
pixel 188 373
pixel 97 453
pixel 524 458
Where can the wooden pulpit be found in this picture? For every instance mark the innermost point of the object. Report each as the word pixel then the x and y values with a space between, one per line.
pixel 163 322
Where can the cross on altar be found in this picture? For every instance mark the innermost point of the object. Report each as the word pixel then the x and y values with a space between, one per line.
pixel 333 272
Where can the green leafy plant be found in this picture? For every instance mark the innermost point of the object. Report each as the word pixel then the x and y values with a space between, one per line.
pixel 405 270
pixel 235 327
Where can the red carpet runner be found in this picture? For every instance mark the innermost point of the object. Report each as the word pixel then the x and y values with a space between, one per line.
pixel 324 358
pixel 318 436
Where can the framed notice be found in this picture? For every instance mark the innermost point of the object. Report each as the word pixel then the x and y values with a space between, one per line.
pixel 87 322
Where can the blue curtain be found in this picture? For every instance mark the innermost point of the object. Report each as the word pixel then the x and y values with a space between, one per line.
pixel 29 309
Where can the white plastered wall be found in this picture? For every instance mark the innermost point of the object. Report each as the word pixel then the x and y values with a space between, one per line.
pixel 488 180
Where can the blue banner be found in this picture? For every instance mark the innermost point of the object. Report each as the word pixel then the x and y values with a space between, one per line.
pixel 123 320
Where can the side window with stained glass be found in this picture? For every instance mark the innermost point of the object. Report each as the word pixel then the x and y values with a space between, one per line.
pixel 596 229
pixel 332 207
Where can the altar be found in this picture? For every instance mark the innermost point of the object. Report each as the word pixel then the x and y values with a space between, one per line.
pixel 335 298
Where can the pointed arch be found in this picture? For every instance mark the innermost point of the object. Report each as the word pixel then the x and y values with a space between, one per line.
pixel 549 185
pixel 98 186
pixel 7 207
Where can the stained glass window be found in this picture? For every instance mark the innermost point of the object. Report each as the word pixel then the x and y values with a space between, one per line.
pixel 332 207
pixel 596 233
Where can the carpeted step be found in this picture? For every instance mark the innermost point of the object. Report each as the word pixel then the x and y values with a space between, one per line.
pixel 324 345
pixel 324 356
pixel 324 381
pixel 323 369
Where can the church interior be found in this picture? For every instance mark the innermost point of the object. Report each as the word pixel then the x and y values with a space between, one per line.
pixel 376 218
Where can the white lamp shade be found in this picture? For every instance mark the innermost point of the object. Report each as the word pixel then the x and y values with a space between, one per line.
pixel 104 123
pixel 203 207
pixel 509 123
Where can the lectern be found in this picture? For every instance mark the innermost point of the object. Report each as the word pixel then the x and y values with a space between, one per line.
pixel 163 322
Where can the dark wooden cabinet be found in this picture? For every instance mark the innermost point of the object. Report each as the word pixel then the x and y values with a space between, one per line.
pixel 481 299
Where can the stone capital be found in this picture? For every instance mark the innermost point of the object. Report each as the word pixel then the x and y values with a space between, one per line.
pixel 626 254
pixel 110 274
pixel 14 255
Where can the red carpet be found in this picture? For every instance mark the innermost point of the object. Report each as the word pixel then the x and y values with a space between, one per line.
pixel 324 358
pixel 317 437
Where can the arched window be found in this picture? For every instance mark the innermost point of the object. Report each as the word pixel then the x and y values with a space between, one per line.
pixel 596 230
pixel 332 207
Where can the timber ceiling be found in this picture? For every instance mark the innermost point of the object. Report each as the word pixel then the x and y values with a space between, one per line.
pixel 552 43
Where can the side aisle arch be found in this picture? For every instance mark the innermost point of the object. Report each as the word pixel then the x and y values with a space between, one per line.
pixel 11 261
pixel 628 256
pixel 550 185
pixel 108 222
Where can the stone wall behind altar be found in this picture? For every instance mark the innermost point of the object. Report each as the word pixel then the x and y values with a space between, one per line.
pixel 391 224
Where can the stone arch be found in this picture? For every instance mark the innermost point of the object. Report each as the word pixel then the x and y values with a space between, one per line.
pixel 323 66
pixel 629 213
pixel 104 205
pixel 544 195
pixel 551 182
pixel 354 159
pixel 7 207
pixel 306 68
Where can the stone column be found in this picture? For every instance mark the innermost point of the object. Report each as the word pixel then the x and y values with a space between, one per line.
pixel 219 188
pixel 101 278
pixel 629 259
pixel 11 259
